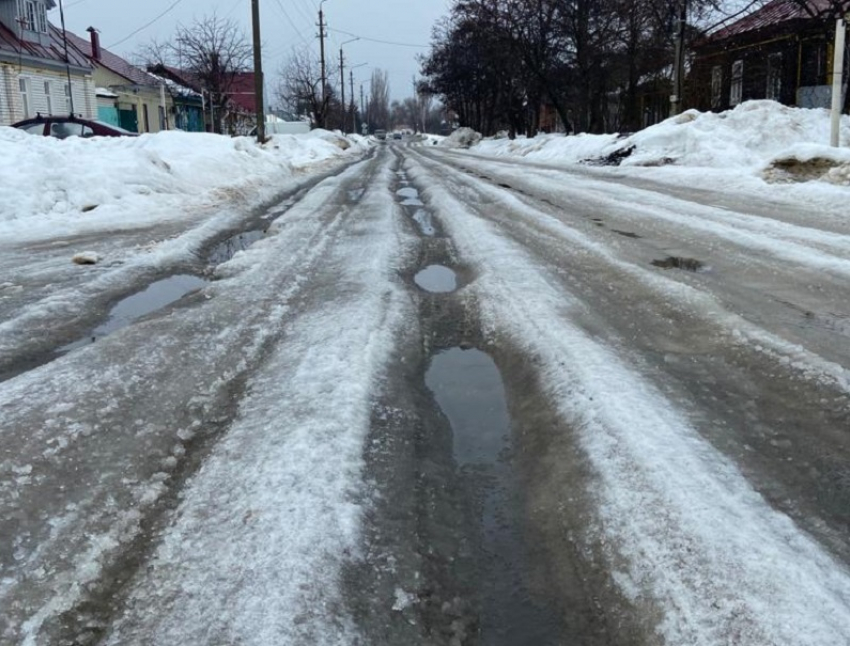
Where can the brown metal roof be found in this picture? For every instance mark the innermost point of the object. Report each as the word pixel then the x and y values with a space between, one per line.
pixel 113 62
pixel 54 51
pixel 773 13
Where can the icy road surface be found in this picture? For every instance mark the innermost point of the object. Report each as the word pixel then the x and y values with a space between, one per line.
pixel 436 399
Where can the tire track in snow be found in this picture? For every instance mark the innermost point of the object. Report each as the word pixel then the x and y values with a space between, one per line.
pixel 698 541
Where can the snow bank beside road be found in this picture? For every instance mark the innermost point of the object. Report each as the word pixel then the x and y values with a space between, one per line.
pixel 85 184
pixel 755 136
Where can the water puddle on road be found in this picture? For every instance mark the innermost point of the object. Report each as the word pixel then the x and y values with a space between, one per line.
pixel 410 196
pixel 469 390
pixel 425 222
pixel 156 296
pixel 225 251
pixel 436 279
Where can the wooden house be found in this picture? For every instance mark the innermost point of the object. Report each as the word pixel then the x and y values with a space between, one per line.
pixel 782 52
pixel 35 76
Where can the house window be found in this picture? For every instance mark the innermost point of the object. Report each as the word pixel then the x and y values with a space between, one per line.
pixel 26 103
pixel 736 92
pixel 67 98
pixel 41 17
pixel 716 86
pixel 774 77
pixel 32 15
pixel 48 96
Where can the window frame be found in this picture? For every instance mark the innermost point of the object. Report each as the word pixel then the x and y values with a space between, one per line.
pixel 773 89
pixel 717 87
pixel 736 89
pixel 25 89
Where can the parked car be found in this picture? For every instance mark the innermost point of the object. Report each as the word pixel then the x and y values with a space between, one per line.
pixel 381 135
pixel 396 135
pixel 64 127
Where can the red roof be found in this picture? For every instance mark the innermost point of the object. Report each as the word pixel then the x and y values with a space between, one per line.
pixel 771 14
pixel 55 51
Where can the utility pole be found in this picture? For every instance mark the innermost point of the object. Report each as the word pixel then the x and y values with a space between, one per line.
pixel 353 111
pixel 322 52
pixel 837 81
pixel 679 61
pixel 259 108
pixel 342 86
pixel 364 118
pixel 415 105
pixel 342 78
pixel 67 60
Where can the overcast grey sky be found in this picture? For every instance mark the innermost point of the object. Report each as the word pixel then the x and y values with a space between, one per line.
pixel 286 24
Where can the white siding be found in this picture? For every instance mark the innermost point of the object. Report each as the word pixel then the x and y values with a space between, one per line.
pixel 11 108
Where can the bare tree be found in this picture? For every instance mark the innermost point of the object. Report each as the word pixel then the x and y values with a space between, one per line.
pixel 211 52
pixel 300 87
pixel 378 110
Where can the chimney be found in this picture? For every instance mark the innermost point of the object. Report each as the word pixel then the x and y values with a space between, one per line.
pixel 95 43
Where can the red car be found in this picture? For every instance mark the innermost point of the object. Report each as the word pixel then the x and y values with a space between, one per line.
pixel 64 127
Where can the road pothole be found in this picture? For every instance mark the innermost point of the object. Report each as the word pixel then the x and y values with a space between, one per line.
pixel 153 298
pixel 678 262
pixel 436 279
pixel 225 250
pixel 469 390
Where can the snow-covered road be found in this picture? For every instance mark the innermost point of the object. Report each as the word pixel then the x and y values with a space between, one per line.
pixel 263 463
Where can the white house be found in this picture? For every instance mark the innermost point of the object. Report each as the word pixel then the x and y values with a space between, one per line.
pixel 33 69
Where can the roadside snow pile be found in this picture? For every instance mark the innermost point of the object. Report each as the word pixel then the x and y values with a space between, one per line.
pixel 46 178
pixel 765 137
pixel 461 138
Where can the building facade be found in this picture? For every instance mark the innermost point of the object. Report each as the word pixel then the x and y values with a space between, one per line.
pixel 127 95
pixel 34 73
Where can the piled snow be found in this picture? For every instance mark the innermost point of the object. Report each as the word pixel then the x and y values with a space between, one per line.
pixel 757 136
pixel 94 182
pixel 462 138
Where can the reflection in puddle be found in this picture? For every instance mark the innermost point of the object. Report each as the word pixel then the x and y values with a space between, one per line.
pixel 468 388
pixel 426 224
pixel 410 196
pixel 675 262
pixel 227 249
pixel 155 297
pixel 436 279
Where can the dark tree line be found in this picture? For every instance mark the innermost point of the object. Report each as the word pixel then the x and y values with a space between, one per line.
pixel 507 64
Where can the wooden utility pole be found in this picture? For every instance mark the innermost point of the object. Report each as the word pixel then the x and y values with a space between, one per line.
pixel 322 53
pixel 353 110
pixel 259 108
pixel 679 61
pixel 342 86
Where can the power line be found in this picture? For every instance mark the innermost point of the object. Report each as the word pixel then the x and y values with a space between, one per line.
pixel 143 27
pixel 375 40
pixel 291 24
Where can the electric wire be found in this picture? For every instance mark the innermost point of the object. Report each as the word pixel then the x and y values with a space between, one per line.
pixel 145 26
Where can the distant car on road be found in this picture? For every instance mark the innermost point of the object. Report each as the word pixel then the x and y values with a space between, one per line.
pixel 396 135
pixel 381 135
pixel 63 127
